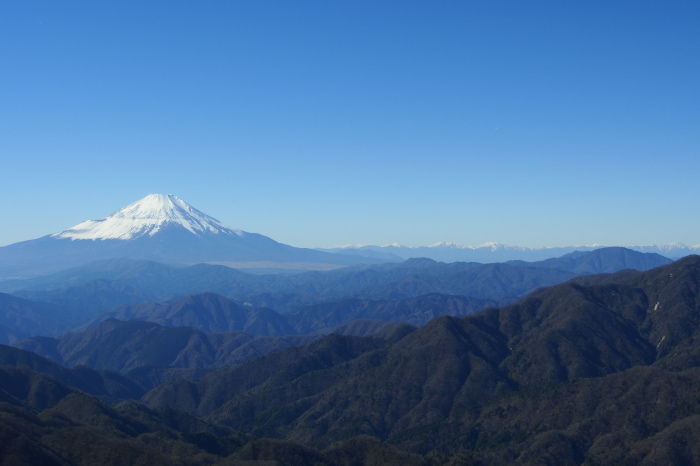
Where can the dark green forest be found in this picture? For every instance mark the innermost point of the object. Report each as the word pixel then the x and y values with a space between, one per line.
pixel 600 369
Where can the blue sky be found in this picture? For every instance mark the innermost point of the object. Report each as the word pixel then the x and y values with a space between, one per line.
pixel 322 123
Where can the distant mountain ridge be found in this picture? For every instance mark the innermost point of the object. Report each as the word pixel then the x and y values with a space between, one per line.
pixel 194 295
pixel 603 260
pixel 497 252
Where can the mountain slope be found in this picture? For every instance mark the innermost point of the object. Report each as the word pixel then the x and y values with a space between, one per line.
pixel 603 260
pixel 322 318
pixel 71 428
pixel 123 346
pixel 103 384
pixel 207 312
pixel 47 417
pixel 22 318
pixel 90 298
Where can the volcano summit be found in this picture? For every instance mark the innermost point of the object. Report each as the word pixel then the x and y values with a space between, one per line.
pixel 147 217
pixel 164 228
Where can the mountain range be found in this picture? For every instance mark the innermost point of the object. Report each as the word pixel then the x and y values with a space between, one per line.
pixel 599 370
pixel 495 251
pixel 214 298
pixel 602 369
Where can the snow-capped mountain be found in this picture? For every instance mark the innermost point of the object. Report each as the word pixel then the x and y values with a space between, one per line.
pixel 161 228
pixel 147 217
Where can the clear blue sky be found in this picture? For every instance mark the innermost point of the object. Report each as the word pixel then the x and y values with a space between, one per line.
pixel 322 123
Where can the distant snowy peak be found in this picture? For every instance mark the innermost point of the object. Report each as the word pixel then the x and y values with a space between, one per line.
pixel 147 217
pixel 494 246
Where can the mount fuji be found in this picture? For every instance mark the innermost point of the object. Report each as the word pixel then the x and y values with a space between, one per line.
pixel 154 214
pixel 161 228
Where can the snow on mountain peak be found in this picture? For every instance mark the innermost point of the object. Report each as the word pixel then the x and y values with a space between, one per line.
pixel 146 217
pixel 494 246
